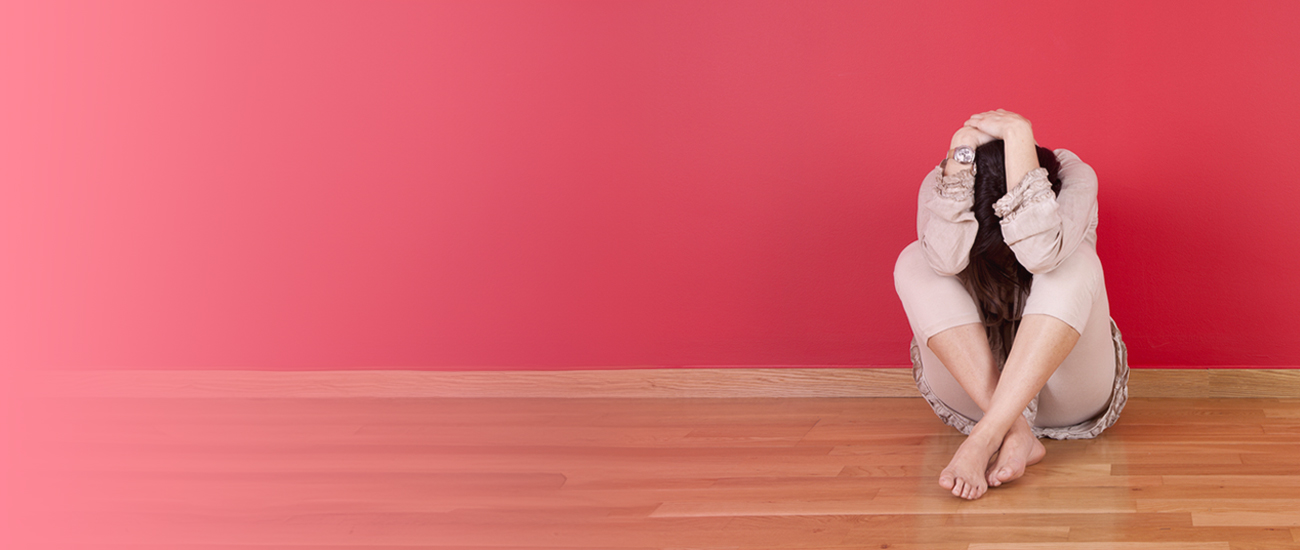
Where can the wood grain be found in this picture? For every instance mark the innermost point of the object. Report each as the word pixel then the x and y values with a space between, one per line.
pixel 636 473
pixel 1169 383
pixel 1282 383
pixel 625 383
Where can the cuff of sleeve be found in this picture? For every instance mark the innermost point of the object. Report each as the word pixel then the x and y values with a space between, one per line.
pixel 1035 187
pixel 1034 219
pixel 959 186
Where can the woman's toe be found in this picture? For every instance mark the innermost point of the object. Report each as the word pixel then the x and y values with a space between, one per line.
pixel 947 481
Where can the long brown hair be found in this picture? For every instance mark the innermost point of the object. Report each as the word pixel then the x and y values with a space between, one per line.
pixel 994 278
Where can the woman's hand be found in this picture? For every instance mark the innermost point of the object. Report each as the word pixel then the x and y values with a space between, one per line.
pixel 1000 124
pixel 969 135
pixel 1020 152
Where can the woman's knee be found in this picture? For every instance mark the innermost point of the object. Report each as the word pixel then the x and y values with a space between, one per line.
pixel 1069 291
pixel 933 302
pixel 1081 273
pixel 910 260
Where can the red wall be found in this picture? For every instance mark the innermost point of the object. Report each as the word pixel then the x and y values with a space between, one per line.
pixel 302 185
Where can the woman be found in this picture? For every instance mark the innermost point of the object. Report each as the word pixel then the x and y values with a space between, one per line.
pixel 1007 302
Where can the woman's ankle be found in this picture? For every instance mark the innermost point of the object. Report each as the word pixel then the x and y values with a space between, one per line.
pixel 985 436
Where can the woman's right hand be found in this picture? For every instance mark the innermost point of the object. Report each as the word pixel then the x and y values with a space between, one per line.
pixel 969 135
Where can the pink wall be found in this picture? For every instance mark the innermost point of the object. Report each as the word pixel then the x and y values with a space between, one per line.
pixel 441 185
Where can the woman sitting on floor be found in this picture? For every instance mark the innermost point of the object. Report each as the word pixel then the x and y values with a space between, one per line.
pixel 1007 302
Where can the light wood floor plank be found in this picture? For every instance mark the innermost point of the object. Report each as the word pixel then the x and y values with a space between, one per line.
pixel 622 473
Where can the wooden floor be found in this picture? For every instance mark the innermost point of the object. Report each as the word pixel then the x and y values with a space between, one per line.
pixel 645 473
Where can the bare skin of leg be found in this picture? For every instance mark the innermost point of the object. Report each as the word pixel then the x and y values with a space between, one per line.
pixel 966 354
pixel 1041 344
pixel 965 351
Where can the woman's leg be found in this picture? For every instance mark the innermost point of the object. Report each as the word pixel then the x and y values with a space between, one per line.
pixel 1061 305
pixel 959 364
pixel 942 313
pixel 1081 387
pixel 933 302
pixel 964 345
pixel 1042 342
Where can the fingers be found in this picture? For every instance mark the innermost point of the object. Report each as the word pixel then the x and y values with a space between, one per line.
pixel 996 113
pixel 970 135
pixel 996 123
pixel 977 118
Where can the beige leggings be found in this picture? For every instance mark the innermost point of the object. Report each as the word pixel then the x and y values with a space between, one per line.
pixel 1083 396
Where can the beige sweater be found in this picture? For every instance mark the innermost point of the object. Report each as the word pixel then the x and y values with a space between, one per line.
pixel 1042 230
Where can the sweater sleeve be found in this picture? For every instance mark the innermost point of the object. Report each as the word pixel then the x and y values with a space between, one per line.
pixel 945 223
pixel 1041 229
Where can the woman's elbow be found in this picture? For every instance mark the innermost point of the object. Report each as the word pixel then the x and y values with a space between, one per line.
pixel 1040 264
pixel 1040 254
pixel 1039 269
pixel 946 265
pixel 949 270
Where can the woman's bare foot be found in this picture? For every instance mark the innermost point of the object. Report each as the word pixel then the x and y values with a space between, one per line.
pixel 964 475
pixel 1019 449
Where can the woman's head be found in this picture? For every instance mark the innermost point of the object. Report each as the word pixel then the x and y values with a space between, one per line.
pixel 994 278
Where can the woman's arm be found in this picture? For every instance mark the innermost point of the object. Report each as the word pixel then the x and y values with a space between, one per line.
pixel 1041 229
pixel 1020 151
pixel 945 224
pixel 1020 154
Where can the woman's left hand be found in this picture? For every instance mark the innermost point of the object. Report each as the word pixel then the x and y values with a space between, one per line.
pixel 1000 123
